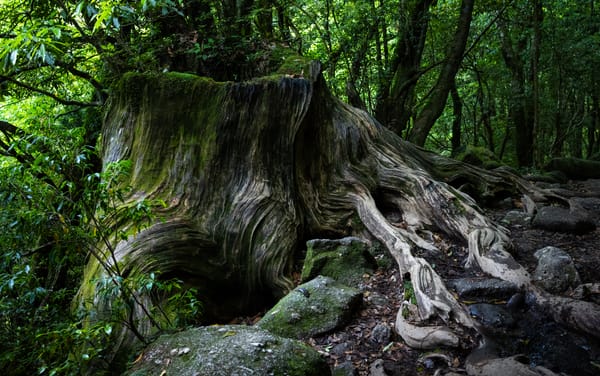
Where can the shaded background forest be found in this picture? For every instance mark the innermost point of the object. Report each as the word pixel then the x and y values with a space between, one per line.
pixel 517 79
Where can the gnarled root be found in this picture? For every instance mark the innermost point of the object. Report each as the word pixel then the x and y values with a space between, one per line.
pixel 432 296
pixel 577 314
pixel 487 248
pixel 422 337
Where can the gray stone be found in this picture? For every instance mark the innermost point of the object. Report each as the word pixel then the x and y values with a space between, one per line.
pixel 559 219
pixel 377 299
pixel 228 350
pixel 346 260
pixel 472 288
pixel 591 205
pixel 377 368
pixel 381 333
pixel 340 349
pixel 492 316
pixel 516 218
pixel 322 306
pixel 555 271
pixel 345 369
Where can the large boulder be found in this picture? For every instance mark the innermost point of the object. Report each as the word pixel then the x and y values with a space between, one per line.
pixel 228 350
pixel 316 307
pixel 346 260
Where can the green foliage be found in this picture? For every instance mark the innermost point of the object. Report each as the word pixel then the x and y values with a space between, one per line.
pixel 57 211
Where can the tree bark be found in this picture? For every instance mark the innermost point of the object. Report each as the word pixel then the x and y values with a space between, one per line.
pixel 437 101
pixel 457 121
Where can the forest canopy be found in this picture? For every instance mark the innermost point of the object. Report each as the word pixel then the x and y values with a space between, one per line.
pixel 517 79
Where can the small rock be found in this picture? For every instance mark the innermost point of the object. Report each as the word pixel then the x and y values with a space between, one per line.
pixel 592 205
pixel 344 369
pixel 377 368
pixel 381 333
pixel 559 219
pixel 555 271
pixel 378 299
pixel 589 292
pixel 473 288
pixel 339 349
pixel 492 316
pixel 516 302
pixel 516 218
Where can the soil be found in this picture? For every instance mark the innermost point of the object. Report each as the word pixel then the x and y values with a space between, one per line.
pixel 542 341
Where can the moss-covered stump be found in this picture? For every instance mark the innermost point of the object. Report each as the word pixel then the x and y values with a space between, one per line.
pixel 228 350
pixel 249 171
pixel 316 307
pixel 346 260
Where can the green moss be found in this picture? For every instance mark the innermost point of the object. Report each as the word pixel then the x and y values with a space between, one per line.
pixel 288 61
pixel 479 156
pixel 345 260
pixel 225 350
pixel 313 308
pixel 176 108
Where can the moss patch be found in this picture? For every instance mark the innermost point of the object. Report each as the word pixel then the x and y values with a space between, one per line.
pixel 316 307
pixel 228 350
pixel 345 260
pixel 480 157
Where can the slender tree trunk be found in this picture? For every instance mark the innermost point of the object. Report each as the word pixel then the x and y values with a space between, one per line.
pixel 594 126
pixel 520 104
pixel 593 137
pixel 437 101
pixel 396 94
pixel 538 16
pixel 457 121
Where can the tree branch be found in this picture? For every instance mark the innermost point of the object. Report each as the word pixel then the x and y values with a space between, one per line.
pixel 49 94
pixel 100 89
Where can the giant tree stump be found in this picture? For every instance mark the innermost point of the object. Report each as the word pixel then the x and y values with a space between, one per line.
pixel 250 171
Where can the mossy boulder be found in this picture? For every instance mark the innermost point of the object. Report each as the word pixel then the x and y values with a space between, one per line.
pixel 575 168
pixel 479 156
pixel 346 260
pixel 316 307
pixel 228 350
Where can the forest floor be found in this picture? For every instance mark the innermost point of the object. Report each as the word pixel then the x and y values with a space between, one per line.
pixel 542 342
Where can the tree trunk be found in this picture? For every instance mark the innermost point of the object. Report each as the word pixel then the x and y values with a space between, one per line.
pixel 396 93
pixel 437 101
pixel 457 121
pixel 519 107
pixel 249 171
pixel 538 16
